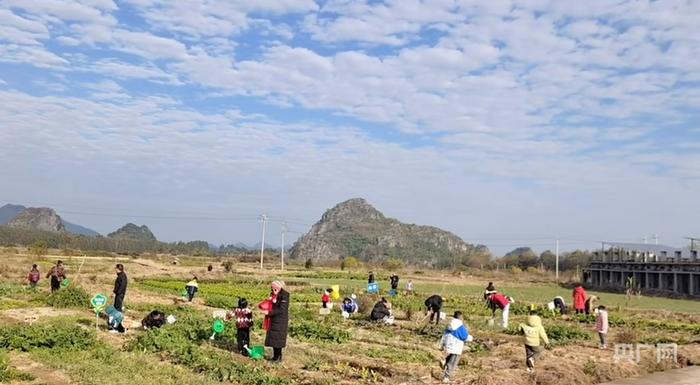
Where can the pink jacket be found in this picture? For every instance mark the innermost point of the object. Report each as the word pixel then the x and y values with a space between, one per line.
pixel 579 298
pixel 601 322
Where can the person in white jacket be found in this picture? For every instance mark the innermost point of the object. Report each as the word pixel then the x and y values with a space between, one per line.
pixel 452 342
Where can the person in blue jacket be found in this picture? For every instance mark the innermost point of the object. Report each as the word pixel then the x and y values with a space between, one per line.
pixel 452 342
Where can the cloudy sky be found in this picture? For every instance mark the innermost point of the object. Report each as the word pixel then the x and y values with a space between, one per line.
pixel 507 122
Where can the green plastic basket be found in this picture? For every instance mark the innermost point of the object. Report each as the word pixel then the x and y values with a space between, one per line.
pixel 257 352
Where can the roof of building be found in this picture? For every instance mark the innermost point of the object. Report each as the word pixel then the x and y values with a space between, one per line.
pixel 642 247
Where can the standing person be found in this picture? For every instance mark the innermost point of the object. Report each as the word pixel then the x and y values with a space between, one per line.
pixel 452 342
pixel 590 303
pixel 33 277
pixel 409 287
pixel 119 287
pixel 57 275
pixel 192 288
pixel 244 322
pixel 326 299
pixel 534 332
pixel 433 305
pixel 394 281
pixel 601 326
pixel 278 320
pixel 490 289
pixel 579 295
pixel 500 301
pixel 370 278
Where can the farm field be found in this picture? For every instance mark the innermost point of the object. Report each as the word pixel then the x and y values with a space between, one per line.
pixel 52 339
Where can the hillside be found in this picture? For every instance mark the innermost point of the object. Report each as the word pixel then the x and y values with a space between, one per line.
pixel 37 218
pixel 9 211
pixel 133 232
pixel 355 228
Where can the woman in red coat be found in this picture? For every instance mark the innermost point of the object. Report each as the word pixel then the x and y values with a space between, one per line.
pixel 579 299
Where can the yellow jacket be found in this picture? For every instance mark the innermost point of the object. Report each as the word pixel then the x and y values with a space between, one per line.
pixel 534 331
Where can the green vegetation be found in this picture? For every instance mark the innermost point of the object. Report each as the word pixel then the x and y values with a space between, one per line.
pixel 55 335
pixel 181 344
pixel 71 296
pixel 324 332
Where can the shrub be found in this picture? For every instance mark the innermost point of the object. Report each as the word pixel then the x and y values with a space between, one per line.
pixel 228 266
pixel 349 263
pixel 627 336
pixel 39 248
pixel 71 296
pixel 309 264
pixel 393 263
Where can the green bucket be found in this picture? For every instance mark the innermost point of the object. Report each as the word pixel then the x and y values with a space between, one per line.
pixel 257 352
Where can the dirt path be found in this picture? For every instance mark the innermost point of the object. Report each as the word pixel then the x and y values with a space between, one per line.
pixel 685 376
pixel 42 374
pixel 33 314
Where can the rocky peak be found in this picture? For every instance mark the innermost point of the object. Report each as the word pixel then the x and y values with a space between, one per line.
pixel 38 218
pixel 352 211
pixel 133 232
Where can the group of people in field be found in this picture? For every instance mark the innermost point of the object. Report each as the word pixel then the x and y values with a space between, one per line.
pixel 275 310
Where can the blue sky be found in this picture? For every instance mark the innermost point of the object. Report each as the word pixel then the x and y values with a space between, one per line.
pixel 507 122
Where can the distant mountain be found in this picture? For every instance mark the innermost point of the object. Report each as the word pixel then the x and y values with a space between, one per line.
pixel 9 211
pixel 80 230
pixel 355 228
pixel 133 232
pixel 37 218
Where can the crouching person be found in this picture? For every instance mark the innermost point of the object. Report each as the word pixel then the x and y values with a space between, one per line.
pixel 154 320
pixel 381 312
pixel 114 320
pixel 534 333
pixel 452 342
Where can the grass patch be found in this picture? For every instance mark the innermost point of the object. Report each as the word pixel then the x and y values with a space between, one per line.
pixel 8 374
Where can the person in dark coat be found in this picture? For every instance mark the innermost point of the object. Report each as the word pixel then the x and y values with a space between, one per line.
pixel 394 280
pixel 119 287
pixel 381 311
pixel 278 320
pixel 154 320
pixel 433 305
pixel 370 279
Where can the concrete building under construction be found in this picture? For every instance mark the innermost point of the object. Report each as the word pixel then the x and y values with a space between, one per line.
pixel 648 267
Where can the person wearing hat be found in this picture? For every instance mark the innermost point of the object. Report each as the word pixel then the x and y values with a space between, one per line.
pixel 277 320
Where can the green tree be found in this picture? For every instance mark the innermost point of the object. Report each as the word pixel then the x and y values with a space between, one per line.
pixel 39 248
pixel 349 263
pixel 393 263
pixel 548 260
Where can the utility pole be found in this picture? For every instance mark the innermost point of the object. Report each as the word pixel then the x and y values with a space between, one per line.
pixel 263 219
pixel 556 260
pixel 284 233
